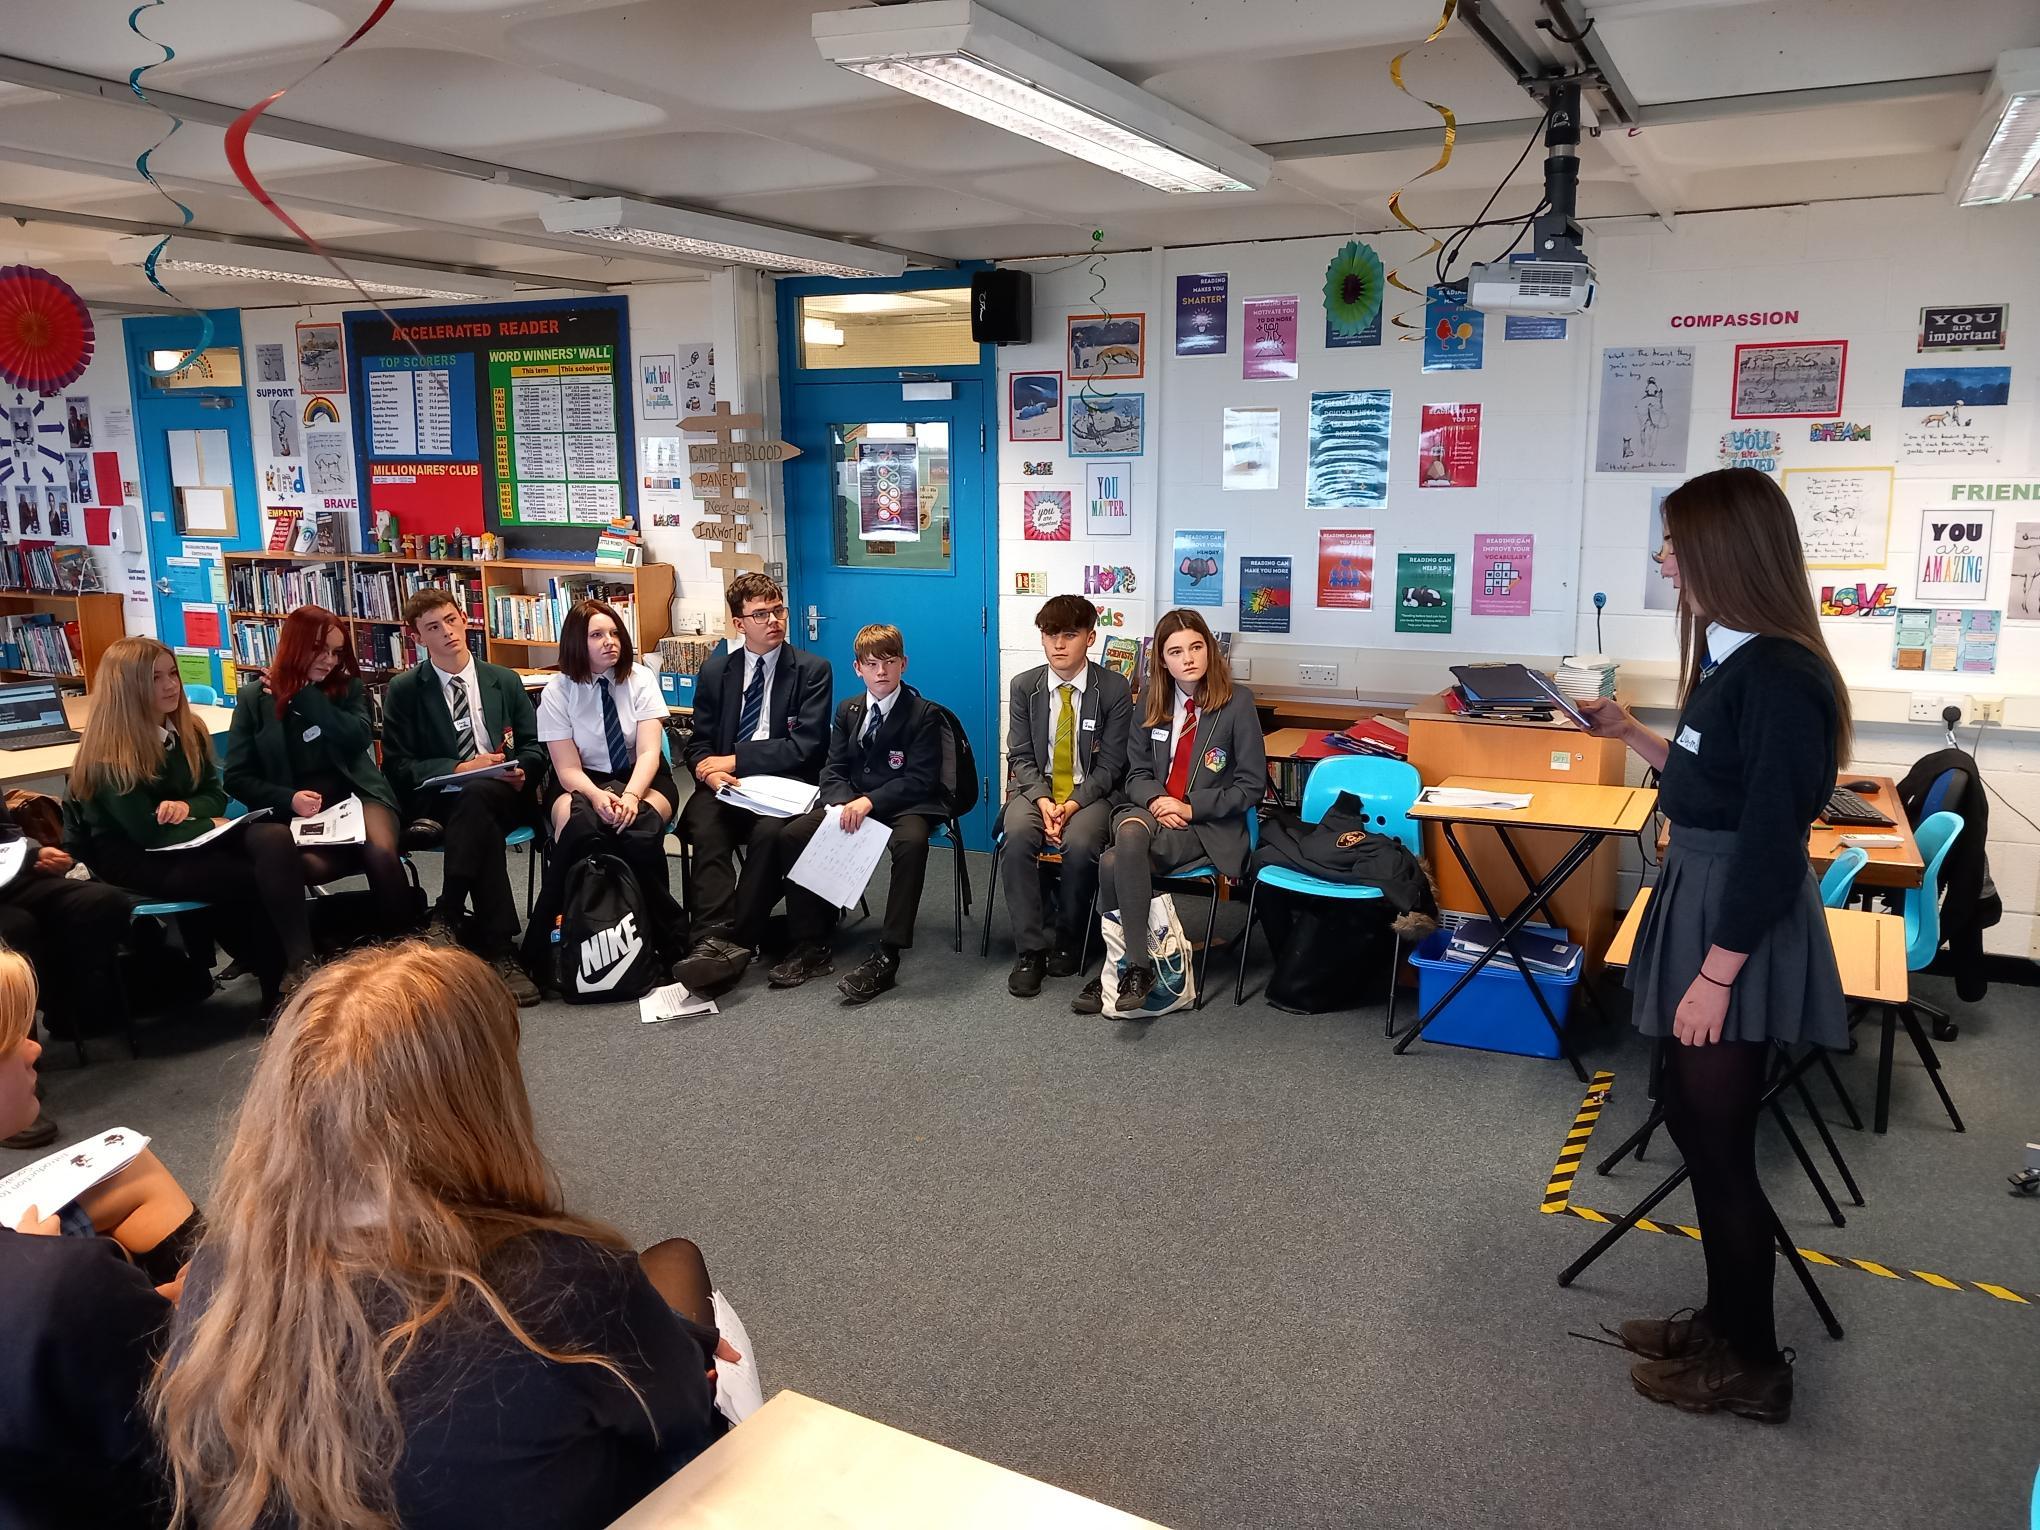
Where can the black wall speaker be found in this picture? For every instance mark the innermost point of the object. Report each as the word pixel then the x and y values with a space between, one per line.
pixel 1001 307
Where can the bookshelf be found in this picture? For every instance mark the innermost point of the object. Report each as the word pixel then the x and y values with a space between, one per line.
pixel 367 592
pixel 91 622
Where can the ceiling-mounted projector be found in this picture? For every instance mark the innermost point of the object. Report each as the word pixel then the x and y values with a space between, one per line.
pixel 1559 283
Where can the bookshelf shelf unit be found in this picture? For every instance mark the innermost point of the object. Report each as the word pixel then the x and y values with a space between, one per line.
pixel 100 620
pixel 470 581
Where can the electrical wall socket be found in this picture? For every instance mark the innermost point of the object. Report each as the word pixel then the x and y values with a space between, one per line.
pixel 1927 707
pixel 1317 674
pixel 1987 709
pixel 1243 669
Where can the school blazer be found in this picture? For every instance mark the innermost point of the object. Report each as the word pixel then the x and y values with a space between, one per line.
pixel 418 736
pixel 1104 719
pixel 258 746
pixel 900 770
pixel 797 708
pixel 1228 777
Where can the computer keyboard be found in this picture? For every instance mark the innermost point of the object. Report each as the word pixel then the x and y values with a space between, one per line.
pixel 1845 807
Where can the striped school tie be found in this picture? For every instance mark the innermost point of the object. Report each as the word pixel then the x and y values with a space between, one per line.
pixel 754 704
pixel 621 756
pixel 463 719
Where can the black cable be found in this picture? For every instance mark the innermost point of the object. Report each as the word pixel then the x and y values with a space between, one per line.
pixel 1445 255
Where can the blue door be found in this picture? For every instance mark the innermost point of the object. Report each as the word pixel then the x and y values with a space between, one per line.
pixel 208 398
pixel 888 520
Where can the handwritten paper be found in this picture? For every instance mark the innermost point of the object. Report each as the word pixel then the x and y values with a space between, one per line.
pixel 837 864
pixel 1844 514
pixel 1646 409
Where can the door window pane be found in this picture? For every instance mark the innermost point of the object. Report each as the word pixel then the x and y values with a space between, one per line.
pixel 217 367
pixel 928 328
pixel 891 487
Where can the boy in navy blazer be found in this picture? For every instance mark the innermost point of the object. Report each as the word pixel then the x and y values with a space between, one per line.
pixel 760 708
pixel 1066 738
pixel 885 758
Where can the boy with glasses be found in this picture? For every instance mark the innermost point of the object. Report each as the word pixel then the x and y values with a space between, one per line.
pixel 761 707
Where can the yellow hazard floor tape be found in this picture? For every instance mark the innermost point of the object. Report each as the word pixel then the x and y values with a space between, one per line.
pixel 1558 1201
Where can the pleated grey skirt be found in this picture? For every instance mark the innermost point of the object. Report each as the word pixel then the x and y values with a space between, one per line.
pixel 1789 990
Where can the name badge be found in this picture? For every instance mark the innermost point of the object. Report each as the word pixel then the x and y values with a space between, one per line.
pixel 312 732
pixel 1159 735
pixel 1090 725
pixel 1689 741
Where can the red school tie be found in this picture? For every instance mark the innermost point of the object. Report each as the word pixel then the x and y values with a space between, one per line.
pixel 1186 750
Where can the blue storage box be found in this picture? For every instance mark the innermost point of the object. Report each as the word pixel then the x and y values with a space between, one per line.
pixel 677 689
pixel 1496 1012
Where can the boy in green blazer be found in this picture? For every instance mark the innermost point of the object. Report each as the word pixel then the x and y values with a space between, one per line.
pixel 455 715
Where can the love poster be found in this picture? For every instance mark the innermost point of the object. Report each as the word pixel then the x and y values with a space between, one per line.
pixel 1448 446
pixel 1345 570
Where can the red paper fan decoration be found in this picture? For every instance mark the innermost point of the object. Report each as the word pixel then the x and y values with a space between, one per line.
pixel 45 330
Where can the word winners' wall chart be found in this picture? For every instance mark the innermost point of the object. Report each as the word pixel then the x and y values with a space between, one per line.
pixel 502 417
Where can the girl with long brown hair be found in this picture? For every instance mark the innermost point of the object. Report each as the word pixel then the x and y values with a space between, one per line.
pixel 394 1320
pixel 1734 956
pixel 1195 769
pixel 301 743
pixel 145 781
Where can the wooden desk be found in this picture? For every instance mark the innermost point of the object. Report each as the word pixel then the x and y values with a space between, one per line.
pixel 1563 805
pixel 798 1464
pixel 20 765
pixel 1869 949
pixel 1897 866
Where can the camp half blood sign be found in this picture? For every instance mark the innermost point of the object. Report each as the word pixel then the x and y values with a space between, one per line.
pixel 718 471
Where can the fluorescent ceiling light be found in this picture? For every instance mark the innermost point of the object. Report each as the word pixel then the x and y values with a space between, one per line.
pixel 2000 159
pixel 884 302
pixel 200 256
pixel 820 332
pixel 705 236
pixel 959 55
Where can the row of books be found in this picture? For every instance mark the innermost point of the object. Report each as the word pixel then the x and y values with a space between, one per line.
pixel 1129 655
pixel 40 644
pixel 686 655
pixel 536 618
pixel 44 568
pixel 254 642
pixel 385 649
pixel 277 591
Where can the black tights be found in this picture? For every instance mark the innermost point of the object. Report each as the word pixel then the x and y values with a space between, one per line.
pixel 377 860
pixel 1711 1097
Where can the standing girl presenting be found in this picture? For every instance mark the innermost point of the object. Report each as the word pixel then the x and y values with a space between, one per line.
pixel 145 779
pixel 602 719
pixel 1734 956
pixel 1195 768
pixel 300 744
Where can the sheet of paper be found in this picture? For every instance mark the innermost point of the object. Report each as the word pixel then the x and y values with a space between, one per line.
pixel 1470 797
pixel 13 856
pixel 214 832
pixel 461 777
pixel 52 1183
pixel 673 1002
pixel 836 866
pixel 771 796
pixel 340 824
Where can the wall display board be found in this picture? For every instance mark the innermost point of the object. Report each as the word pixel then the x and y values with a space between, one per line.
pixel 511 417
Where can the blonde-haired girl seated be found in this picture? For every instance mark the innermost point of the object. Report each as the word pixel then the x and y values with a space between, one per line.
pixel 394 1319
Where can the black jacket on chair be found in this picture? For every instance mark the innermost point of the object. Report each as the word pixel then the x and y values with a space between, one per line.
pixel 898 772
pixel 1969 902
pixel 797 711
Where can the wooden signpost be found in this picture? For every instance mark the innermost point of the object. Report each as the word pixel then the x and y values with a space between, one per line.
pixel 718 471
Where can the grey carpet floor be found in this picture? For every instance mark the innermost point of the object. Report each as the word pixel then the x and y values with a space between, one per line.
pixel 1242 1268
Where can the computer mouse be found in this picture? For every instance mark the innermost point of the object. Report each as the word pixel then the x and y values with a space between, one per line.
pixel 1859 786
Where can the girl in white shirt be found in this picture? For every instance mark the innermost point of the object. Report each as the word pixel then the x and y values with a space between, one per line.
pixel 610 791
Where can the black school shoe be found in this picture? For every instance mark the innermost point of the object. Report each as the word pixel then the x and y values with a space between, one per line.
pixel 1062 961
pixel 1683 1334
pixel 805 962
pixel 1024 981
pixel 714 965
pixel 1716 1380
pixel 1135 984
pixel 1090 999
pixel 517 980
pixel 873 976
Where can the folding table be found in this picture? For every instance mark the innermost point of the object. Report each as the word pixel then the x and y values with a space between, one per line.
pixel 1592 812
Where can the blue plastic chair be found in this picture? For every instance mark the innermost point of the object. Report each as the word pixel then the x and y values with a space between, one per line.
pixel 1387 790
pixel 1935 836
pixel 1840 880
pixel 201 695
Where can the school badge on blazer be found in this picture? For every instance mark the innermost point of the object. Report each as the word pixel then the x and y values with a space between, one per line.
pixel 1214 758
pixel 1350 838
pixel 896 758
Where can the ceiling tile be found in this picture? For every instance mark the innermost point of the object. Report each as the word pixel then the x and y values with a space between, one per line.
pixel 697 165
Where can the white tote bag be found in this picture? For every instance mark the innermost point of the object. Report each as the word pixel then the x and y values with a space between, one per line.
pixel 1168 951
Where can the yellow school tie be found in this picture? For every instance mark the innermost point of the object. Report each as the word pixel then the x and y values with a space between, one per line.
pixel 1062 772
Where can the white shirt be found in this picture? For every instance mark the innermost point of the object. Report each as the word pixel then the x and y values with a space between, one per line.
pixel 1077 683
pixel 570 711
pixel 882 706
pixel 1176 729
pixel 471 679
pixel 751 663
pixel 1723 641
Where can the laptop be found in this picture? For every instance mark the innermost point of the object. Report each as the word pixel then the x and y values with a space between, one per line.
pixel 32 716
